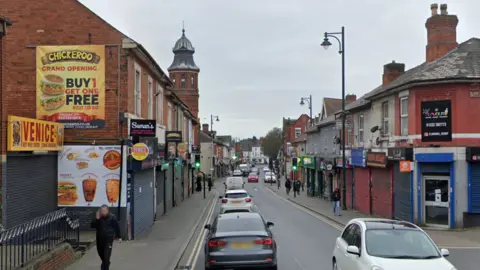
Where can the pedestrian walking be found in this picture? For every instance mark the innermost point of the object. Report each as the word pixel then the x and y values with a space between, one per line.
pixel 108 230
pixel 296 186
pixel 336 201
pixel 198 182
pixel 210 182
pixel 288 186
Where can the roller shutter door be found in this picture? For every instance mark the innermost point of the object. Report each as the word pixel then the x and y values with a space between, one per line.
pixel 475 187
pixel 178 184
pixel 362 190
pixel 349 187
pixel 381 193
pixel 143 215
pixel 30 188
pixel 402 194
pixel 160 179
pixel 169 188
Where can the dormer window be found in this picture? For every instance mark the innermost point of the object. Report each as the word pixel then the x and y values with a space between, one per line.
pixel 182 81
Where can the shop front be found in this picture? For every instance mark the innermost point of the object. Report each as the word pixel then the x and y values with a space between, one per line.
pixel 29 184
pixel 435 174
pixel 472 216
pixel 357 185
pixel 328 177
pixel 308 163
pixel 160 178
pixel 401 158
pixel 173 185
pixel 381 191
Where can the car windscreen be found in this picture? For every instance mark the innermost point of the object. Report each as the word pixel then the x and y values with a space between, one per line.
pixel 255 169
pixel 253 174
pixel 236 195
pixel 240 225
pixel 268 174
pixel 409 244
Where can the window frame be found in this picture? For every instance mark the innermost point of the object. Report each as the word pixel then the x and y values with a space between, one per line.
pixel 361 128
pixel 385 117
pixel 137 106
pixel 192 81
pixel 403 117
pixel 299 133
pixel 169 116
pixel 150 98
pixel 159 104
pixel 182 82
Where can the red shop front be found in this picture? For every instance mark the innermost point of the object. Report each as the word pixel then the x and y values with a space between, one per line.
pixel 381 182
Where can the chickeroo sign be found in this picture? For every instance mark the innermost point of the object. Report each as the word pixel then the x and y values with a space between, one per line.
pixel 142 128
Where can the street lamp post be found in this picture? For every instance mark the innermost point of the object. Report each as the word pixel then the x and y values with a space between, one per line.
pixel 326 43
pixel 309 100
pixel 216 118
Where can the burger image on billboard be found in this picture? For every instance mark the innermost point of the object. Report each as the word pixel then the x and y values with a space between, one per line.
pixel 52 85
pixel 53 92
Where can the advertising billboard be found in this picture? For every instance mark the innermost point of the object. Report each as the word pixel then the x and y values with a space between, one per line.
pixel 26 134
pixel 71 85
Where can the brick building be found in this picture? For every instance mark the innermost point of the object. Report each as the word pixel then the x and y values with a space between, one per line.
pixel 415 146
pixel 135 88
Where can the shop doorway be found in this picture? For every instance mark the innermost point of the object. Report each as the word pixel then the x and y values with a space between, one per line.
pixel 436 200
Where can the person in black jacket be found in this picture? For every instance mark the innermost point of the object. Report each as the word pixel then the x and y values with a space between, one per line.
pixel 336 201
pixel 108 230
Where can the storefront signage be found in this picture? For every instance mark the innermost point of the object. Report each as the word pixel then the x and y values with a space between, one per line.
pixel 436 121
pixel 405 166
pixel 144 128
pixel 71 85
pixel 181 149
pixel 377 159
pixel 26 134
pixel 473 154
pixel 358 157
pixel 329 167
pixel 173 136
pixel 89 176
pixel 140 151
pixel 400 153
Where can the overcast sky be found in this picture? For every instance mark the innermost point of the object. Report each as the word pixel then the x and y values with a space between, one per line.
pixel 259 57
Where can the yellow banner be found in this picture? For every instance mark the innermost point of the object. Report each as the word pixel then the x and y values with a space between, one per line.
pixel 26 134
pixel 71 85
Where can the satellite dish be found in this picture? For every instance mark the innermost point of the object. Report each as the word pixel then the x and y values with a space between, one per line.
pixel 374 129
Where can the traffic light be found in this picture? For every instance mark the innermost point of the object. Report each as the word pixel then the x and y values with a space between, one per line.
pixel 197 161
pixel 294 163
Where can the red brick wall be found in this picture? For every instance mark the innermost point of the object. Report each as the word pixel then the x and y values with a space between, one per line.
pixel 463 112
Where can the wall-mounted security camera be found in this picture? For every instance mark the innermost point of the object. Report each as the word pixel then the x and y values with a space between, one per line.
pixel 374 129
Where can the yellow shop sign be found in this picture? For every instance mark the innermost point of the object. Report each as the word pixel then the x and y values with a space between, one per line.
pixel 26 134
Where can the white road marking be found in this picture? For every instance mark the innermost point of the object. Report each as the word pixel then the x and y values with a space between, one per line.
pixel 311 213
pixel 201 237
pixel 198 243
pixel 298 262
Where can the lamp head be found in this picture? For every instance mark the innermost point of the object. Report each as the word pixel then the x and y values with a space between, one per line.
pixel 326 43
pixel 301 102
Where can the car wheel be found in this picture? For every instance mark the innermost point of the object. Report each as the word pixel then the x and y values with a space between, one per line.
pixel 334 265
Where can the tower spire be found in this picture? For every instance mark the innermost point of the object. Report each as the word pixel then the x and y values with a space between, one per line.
pixel 183 27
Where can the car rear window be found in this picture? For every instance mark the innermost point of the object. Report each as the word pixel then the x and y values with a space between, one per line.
pixel 236 195
pixel 236 211
pixel 240 225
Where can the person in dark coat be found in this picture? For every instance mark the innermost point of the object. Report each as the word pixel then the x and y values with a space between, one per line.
pixel 296 186
pixel 336 201
pixel 198 182
pixel 288 185
pixel 210 182
pixel 108 230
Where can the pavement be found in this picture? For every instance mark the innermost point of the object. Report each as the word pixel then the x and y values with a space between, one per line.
pixel 305 238
pixel 162 245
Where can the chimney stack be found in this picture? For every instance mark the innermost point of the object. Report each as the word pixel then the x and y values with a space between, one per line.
pixel 391 71
pixel 350 98
pixel 441 33
pixel 205 128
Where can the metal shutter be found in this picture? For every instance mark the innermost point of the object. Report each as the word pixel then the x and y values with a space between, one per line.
pixel 362 190
pixel 381 193
pixel 475 187
pixel 143 214
pixel 160 191
pixel 169 188
pixel 402 194
pixel 30 188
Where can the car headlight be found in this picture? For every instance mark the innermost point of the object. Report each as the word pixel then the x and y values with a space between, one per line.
pixel 376 268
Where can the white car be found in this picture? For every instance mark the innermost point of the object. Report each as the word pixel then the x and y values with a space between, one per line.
pixel 237 173
pixel 266 169
pixel 383 244
pixel 270 177
pixel 235 199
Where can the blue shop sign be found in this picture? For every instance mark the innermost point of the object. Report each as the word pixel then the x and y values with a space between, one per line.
pixel 358 157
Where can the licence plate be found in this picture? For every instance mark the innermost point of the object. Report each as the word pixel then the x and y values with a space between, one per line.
pixel 237 202
pixel 241 245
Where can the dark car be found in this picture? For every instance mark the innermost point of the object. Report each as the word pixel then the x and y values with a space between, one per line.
pixel 240 240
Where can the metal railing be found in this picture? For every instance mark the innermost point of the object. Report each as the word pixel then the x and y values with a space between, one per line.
pixel 23 243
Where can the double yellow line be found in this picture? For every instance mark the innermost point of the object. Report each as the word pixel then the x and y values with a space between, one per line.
pixel 197 248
